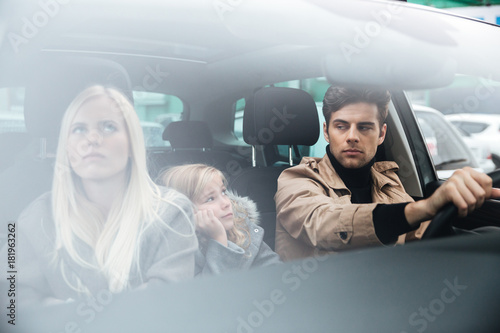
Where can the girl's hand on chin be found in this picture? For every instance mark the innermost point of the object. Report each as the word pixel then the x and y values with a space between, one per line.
pixel 210 226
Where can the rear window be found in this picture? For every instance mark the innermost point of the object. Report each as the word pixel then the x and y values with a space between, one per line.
pixel 470 127
pixel 155 112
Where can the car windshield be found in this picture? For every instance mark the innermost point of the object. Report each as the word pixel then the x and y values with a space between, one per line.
pixel 115 245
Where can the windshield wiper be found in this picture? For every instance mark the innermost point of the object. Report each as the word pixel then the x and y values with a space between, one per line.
pixel 441 165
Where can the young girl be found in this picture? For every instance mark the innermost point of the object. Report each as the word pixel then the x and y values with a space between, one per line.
pixel 229 236
pixel 105 226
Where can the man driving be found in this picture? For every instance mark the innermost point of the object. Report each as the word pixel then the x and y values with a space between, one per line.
pixel 347 199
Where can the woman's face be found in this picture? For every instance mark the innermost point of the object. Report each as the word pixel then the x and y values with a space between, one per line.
pixel 98 142
pixel 214 197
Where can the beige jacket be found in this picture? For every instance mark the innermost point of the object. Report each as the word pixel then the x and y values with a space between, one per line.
pixel 315 214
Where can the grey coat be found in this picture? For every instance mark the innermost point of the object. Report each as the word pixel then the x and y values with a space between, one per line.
pixel 217 259
pixel 165 255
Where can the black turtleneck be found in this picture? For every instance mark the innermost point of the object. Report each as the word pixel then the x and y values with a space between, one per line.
pixel 358 180
pixel 389 220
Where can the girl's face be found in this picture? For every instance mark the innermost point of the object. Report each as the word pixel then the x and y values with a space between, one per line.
pixel 98 142
pixel 214 197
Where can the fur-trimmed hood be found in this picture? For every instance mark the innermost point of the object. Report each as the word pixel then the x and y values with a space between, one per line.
pixel 244 207
pixel 215 258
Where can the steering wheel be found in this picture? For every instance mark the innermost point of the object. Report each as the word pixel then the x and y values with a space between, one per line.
pixel 441 224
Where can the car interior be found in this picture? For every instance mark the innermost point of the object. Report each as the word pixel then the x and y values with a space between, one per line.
pixel 273 116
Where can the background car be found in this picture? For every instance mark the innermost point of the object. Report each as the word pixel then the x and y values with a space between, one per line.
pixel 206 62
pixel 481 150
pixel 483 128
pixel 449 149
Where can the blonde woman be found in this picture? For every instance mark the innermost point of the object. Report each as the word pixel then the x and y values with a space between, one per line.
pixel 105 226
pixel 229 236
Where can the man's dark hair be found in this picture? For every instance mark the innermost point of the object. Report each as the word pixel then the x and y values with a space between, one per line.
pixel 337 97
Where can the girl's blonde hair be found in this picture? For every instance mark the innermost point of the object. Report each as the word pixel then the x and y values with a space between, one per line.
pixel 191 180
pixel 115 239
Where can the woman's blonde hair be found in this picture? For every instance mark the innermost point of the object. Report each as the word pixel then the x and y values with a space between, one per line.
pixel 191 180
pixel 115 239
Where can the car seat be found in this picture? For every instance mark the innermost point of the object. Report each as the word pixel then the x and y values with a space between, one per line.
pixel 273 116
pixel 192 142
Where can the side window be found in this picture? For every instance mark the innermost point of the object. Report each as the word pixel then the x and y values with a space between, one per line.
pixel 11 110
pixel 238 108
pixel 155 112
pixel 468 106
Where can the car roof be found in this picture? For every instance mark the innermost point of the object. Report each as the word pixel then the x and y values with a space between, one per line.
pixel 214 42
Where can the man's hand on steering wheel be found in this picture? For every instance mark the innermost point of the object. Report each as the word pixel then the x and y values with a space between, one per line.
pixel 466 189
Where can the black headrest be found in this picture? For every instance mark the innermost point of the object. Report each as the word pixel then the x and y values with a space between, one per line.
pixel 281 116
pixel 52 87
pixel 188 134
